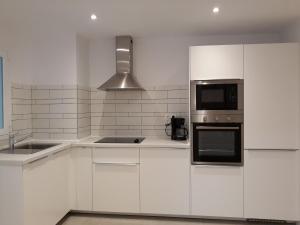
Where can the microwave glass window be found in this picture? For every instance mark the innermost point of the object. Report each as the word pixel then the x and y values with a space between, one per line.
pixel 217 97
pixel 213 95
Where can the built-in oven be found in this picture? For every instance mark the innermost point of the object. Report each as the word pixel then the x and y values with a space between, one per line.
pixel 217 143
pixel 217 96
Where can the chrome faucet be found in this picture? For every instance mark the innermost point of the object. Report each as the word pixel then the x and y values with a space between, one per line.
pixel 12 139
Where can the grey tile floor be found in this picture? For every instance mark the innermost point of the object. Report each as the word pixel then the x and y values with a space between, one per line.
pixel 117 220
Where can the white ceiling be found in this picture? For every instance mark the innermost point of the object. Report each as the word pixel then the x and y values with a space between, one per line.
pixel 150 17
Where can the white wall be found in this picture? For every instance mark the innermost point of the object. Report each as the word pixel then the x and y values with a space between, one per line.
pixel 160 60
pixel 16 44
pixel 40 56
pixel 82 61
pixel 54 57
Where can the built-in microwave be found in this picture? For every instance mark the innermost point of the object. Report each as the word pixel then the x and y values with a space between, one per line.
pixel 217 97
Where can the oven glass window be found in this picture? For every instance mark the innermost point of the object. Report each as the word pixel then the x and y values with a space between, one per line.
pixel 217 97
pixel 216 143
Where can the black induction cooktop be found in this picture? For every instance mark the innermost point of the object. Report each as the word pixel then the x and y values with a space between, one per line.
pixel 129 140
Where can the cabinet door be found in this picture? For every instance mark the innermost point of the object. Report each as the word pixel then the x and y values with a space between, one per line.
pixel 165 181
pixel 116 180
pixel 46 199
pixel 217 191
pixel 116 187
pixel 216 62
pixel 271 184
pixel 37 193
pixel 272 96
pixel 82 164
pixel 59 187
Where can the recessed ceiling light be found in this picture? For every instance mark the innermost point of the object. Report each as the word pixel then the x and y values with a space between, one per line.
pixel 93 17
pixel 216 10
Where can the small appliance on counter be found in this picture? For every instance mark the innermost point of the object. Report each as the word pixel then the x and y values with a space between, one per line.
pixel 178 130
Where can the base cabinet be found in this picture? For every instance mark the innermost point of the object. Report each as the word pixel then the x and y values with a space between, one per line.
pixel 165 181
pixel 82 169
pixel 46 186
pixel 217 191
pixel 271 184
pixel 116 180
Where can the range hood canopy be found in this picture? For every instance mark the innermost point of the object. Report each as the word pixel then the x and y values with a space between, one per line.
pixel 123 79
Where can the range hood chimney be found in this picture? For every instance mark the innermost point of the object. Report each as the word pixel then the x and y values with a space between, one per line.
pixel 123 79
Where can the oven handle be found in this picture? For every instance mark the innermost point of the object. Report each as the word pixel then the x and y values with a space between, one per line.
pixel 216 128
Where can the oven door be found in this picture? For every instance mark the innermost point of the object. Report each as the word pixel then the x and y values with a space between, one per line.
pixel 217 143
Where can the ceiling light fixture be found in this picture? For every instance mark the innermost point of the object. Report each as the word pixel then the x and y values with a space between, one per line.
pixel 216 10
pixel 93 17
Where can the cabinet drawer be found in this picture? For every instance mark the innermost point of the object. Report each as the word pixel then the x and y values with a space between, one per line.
pixel 116 155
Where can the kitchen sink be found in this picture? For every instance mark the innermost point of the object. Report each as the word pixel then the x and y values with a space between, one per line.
pixel 26 149
pixel 129 140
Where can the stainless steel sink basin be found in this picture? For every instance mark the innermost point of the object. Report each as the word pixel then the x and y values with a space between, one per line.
pixel 26 149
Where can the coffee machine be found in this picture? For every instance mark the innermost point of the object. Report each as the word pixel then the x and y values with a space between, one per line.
pixel 178 130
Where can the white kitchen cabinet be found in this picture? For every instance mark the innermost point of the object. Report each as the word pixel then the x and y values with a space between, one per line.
pixel 45 184
pixel 165 181
pixel 116 180
pixel 216 62
pixel 217 191
pixel 82 166
pixel 272 96
pixel 272 184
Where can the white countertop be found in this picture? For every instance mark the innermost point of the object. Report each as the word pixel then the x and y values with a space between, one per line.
pixel 147 143
pixel 19 160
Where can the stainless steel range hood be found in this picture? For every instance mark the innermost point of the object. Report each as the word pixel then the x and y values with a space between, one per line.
pixel 123 79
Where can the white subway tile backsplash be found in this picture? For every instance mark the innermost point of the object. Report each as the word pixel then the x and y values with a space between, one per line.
pixel 154 95
pixel 69 112
pixel 21 109
pixel 129 121
pixel 157 120
pixel 63 123
pixel 21 93
pixel 154 108
pixel 128 95
pixel 139 112
pixel 63 94
pixel 40 123
pixel 178 108
pixel 98 121
pixel 40 94
pixel 40 108
pixel 63 108
pixel 178 94
pixel 128 108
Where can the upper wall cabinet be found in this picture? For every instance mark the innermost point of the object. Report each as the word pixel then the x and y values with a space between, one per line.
pixel 272 96
pixel 216 62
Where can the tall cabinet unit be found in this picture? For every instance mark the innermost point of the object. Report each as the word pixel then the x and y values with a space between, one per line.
pixel 272 131
pixel 272 96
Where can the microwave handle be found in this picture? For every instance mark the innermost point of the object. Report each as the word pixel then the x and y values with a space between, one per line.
pixel 216 128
